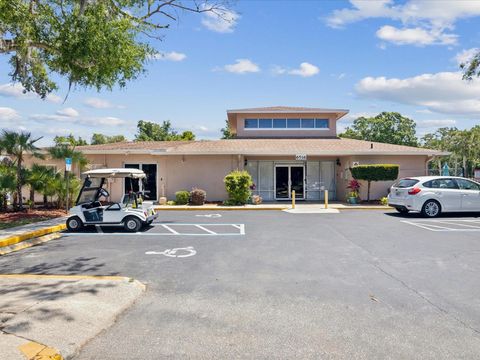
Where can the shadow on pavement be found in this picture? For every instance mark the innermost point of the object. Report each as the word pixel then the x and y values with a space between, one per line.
pixel 441 216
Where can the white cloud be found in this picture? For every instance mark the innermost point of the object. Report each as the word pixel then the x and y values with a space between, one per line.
pixel 305 70
pixel 443 92
pixel 466 55
pixel 222 20
pixel 90 121
pixel 434 17
pixel 70 112
pixel 242 66
pixel 16 90
pixel 435 123
pixel 98 103
pixel 414 36
pixel 169 56
pixel 8 114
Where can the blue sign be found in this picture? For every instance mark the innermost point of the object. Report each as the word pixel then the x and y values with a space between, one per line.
pixel 68 164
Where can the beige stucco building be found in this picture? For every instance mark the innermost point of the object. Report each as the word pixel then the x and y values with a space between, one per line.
pixel 283 148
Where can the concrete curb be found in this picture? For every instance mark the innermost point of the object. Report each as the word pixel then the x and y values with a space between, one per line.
pixel 30 238
pixel 218 208
pixel 15 239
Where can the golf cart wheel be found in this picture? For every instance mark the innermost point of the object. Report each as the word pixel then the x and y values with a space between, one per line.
pixel 74 223
pixel 402 210
pixel 132 224
pixel 431 208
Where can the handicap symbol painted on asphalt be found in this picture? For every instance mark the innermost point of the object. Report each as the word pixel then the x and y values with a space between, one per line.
pixel 210 215
pixel 175 252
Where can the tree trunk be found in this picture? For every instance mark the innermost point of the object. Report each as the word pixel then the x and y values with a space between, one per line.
pixel 45 201
pixel 19 184
pixel 368 191
pixel 439 162
pixel 464 164
pixel 32 198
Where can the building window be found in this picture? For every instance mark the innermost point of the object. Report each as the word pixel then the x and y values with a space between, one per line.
pixel 279 123
pixel 286 124
pixel 265 123
pixel 251 123
pixel 308 123
pixel 293 123
pixel 321 123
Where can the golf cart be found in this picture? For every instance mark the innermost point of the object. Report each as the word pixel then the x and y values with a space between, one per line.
pixel 132 212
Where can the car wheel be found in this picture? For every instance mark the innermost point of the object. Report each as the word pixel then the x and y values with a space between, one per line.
pixel 431 208
pixel 402 210
pixel 132 224
pixel 74 223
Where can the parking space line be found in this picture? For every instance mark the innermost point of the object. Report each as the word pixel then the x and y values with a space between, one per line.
pixel 170 229
pixel 422 226
pixel 205 229
pixel 457 223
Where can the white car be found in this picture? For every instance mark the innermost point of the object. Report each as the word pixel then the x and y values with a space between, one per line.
pixel 432 195
pixel 132 212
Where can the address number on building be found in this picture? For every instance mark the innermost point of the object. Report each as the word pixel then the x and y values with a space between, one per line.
pixel 301 157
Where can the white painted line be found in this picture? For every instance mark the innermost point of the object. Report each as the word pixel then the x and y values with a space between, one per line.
pixel 205 229
pixel 210 215
pixel 241 227
pixel 150 234
pixel 192 224
pixel 420 225
pixel 170 229
pixel 452 222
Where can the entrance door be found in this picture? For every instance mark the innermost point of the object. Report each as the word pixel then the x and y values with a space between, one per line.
pixel 149 185
pixel 288 178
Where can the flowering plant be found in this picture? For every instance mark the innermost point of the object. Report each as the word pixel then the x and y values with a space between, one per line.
pixel 253 187
pixel 354 187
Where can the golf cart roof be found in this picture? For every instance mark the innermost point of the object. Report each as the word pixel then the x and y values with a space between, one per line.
pixel 116 173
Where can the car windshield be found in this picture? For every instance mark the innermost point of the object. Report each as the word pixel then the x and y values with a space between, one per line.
pixel 406 183
pixel 89 191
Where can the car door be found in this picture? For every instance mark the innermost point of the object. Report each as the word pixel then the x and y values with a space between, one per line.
pixel 446 191
pixel 470 194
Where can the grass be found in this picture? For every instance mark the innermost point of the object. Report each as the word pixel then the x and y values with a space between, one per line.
pixel 21 222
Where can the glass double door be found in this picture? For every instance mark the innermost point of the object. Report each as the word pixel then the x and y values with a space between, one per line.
pixel 287 179
pixel 149 185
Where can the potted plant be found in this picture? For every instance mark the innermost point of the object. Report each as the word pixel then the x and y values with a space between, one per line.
pixel 354 187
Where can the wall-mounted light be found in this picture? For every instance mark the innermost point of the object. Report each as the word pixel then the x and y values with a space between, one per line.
pixel 245 162
pixel 338 162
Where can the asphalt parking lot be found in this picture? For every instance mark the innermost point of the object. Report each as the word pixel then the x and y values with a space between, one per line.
pixel 354 285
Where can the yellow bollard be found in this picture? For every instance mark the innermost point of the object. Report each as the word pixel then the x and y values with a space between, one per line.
pixel 293 199
pixel 326 199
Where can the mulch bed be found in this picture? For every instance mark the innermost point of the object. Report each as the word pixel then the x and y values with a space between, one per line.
pixel 16 218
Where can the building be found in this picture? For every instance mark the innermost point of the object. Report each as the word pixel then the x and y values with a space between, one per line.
pixel 283 148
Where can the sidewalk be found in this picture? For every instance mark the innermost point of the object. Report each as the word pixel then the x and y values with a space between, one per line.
pixel 53 316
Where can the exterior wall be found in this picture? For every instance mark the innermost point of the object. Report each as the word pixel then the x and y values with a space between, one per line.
pixel 285 133
pixel 413 165
pixel 207 171
pixel 202 171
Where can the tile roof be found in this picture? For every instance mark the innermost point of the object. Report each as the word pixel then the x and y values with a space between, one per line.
pixel 331 146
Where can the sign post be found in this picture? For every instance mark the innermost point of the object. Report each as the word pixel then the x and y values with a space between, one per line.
pixel 68 168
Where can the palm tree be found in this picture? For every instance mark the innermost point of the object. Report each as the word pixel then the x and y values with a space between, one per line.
pixel 62 151
pixel 8 183
pixel 37 178
pixel 17 145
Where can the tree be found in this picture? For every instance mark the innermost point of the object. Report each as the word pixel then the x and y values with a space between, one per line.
pixel 8 183
pixel 66 149
pixel 17 145
pixel 91 43
pixel 227 131
pixel 150 131
pixel 69 139
pixel 375 172
pixel 38 177
pixel 99 139
pixel 471 68
pixel 386 127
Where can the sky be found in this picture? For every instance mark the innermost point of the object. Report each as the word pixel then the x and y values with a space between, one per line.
pixel 365 56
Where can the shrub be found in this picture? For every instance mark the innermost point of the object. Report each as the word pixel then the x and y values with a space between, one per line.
pixel 182 197
pixel 384 200
pixel 256 199
pixel 237 184
pixel 198 196
pixel 171 202
pixel 375 172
